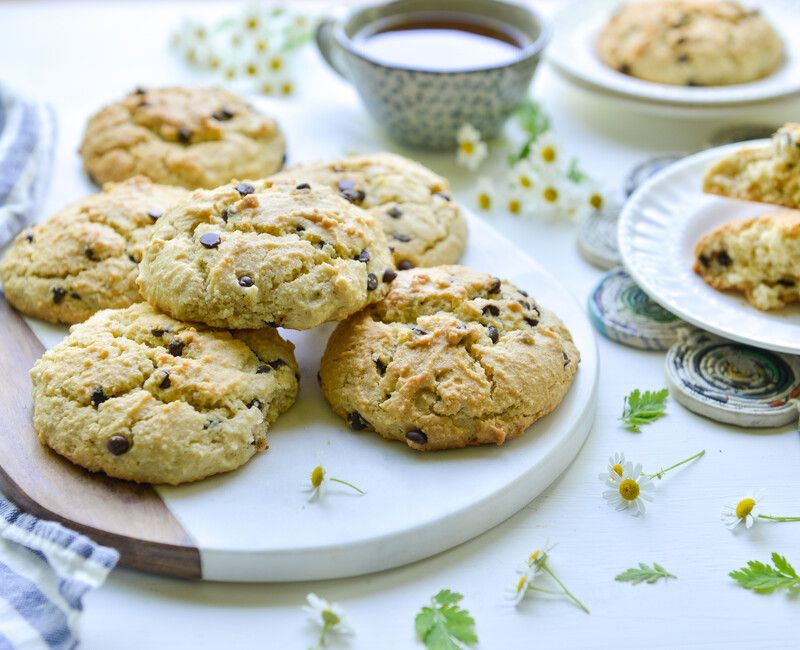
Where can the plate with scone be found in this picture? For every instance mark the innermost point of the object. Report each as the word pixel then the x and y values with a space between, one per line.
pixel 684 54
pixel 715 239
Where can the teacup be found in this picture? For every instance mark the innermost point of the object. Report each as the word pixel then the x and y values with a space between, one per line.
pixel 424 105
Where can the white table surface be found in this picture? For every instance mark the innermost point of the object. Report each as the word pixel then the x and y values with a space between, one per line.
pixel 80 55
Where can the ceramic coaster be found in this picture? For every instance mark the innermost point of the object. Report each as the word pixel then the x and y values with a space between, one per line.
pixel 741 133
pixel 597 237
pixel 734 383
pixel 647 169
pixel 621 311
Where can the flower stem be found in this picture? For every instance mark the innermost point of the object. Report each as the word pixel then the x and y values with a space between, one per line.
pixel 567 592
pixel 321 642
pixel 771 517
pixel 659 475
pixel 546 591
pixel 350 485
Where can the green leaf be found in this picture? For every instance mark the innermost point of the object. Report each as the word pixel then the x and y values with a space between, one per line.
pixel 644 574
pixel 643 408
pixel 534 121
pixel 445 625
pixel 763 578
pixel 575 173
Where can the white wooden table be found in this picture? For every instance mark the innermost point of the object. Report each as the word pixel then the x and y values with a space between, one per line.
pixel 80 55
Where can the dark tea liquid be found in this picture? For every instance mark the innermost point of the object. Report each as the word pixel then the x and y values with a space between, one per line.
pixel 442 42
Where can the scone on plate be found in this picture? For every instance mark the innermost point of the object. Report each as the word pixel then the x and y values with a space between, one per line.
pixel 759 256
pixel 424 225
pixel 768 173
pixel 188 136
pixel 249 254
pixel 452 357
pixel 85 257
pixel 140 396
pixel 691 42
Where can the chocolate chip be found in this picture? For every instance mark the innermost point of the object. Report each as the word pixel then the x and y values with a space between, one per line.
pixel 494 335
pixel 399 236
pixel 531 321
pixel 321 244
pixel 89 252
pixel 444 195
pixel 175 348
pixel 98 396
pixel 185 135
pixel 59 293
pixel 139 91
pixel 724 259
pixel 356 422
pixel 154 214
pixel 417 437
pixel 404 265
pixel 75 295
pixel 29 237
pixel 255 402
pixel 165 383
pixel 389 275
pixel 158 332
pixel 118 445
pixel 300 228
pixel 491 310
pixel 395 212
pixel 245 281
pixel 693 83
pixel 495 288
pixel 786 282
pixel 272 323
pixel 354 196
pixel 245 188
pixel 704 261
pixel 683 58
pixel 222 115
pixel 210 239
pixel 525 304
pixel 133 259
pixel 372 282
pixel 523 293
pixel 381 366
pixel 226 212
pixel 263 369
pixel 303 186
pixel 277 363
pixel 566 358
pixel 418 331
pixel 625 68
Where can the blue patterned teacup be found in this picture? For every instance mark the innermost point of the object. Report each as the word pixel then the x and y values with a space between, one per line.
pixel 426 107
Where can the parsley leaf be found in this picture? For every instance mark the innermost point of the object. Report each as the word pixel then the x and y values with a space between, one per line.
pixel 644 574
pixel 444 625
pixel 764 578
pixel 643 408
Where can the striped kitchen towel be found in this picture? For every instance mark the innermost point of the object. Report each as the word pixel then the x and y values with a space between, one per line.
pixel 27 137
pixel 45 570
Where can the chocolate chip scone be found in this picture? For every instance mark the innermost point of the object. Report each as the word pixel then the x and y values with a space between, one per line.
pixel 189 136
pixel 423 224
pixel 450 358
pixel 759 256
pixel 140 396
pixel 769 173
pixel 691 43
pixel 85 257
pixel 249 254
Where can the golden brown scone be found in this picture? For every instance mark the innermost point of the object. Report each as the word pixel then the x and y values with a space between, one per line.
pixel 768 174
pixel 452 357
pixel 759 256
pixel 85 257
pixel 140 396
pixel 256 253
pixel 188 136
pixel 423 224
pixel 691 43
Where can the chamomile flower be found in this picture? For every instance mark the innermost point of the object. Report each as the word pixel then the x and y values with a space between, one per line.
pixel 484 195
pixel 523 176
pixel 630 490
pixel 329 617
pixel 251 20
pixel 261 45
pixel 276 63
pixel 546 152
pixel 535 567
pixel 527 575
pixel 616 467
pixel 286 87
pixel 471 149
pixel 744 511
pixel 251 69
pixel 514 203
pixel 319 482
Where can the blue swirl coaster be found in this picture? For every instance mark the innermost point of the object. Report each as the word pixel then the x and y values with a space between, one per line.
pixel 734 383
pixel 647 169
pixel 597 237
pixel 621 311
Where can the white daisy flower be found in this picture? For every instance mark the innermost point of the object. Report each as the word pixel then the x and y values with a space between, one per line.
pixel 471 149
pixel 276 63
pixel 328 616
pixel 527 574
pixel 629 491
pixel 523 176
pixel 485 193
pixel 252 20
pixel 547 153
pixel 616 467
pixel 743 512
pixel 515 203
pixel 319 483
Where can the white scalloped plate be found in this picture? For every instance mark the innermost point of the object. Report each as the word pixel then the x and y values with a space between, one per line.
pixel 658 229
pixel 573 54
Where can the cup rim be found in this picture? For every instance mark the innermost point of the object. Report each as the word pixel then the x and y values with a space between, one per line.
pixel 532 49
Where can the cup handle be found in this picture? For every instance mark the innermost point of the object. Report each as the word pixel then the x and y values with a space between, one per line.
pixel 329 48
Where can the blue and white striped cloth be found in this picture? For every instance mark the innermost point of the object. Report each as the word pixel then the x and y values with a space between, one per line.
pixel 27 136
pixel 45 570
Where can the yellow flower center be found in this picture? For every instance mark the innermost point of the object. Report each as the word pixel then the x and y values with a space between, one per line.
pixel 252 69
pixel 261 45
pixel 514 206
pixel 252 22
pixel 230 73
pixel 484 201
pixel 276 63
pixel 330 618
pixel 287 87
pixel 200 33
pixel 618 469
pixel 629 489
pixel 191 55
pixel 267 88
pixel 551 194
pixel 214 63
pixel 548 154
pixel 745 507
pixel 521 583
pixel 317 474
pixel 468 147
pixel 525 182
pixel 596 201
pixel 534 556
